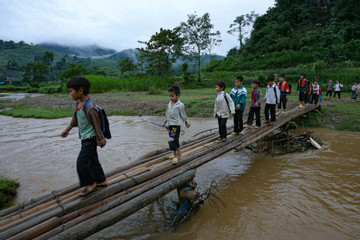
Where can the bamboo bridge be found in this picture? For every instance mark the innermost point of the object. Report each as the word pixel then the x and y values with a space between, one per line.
pixel 61 214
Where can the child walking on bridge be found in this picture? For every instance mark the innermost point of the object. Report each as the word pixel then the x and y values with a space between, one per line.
pixel 175 116
pixel 86 118
pixel 238 95
pixel 224 108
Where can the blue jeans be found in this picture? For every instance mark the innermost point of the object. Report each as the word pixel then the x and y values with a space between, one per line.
pixel 88 166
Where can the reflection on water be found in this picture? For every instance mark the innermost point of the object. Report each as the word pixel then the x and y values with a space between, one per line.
pixel 312 195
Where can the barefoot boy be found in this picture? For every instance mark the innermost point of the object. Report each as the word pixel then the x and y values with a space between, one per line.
pixel 86 118
pixel 175 115
pixel 224 108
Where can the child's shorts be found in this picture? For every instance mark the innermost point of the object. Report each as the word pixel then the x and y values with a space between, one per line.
pixel 174 134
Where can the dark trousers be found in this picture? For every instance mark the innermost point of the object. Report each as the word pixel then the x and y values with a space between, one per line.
pixel 238 121
pixel 222 127
pixel 315 98
pixel 252 111
pixel 329 93
pixel 282 102
pixel 272 108
pixel 88 166
pixel 338 93
pixel 174 134
pixel 308 98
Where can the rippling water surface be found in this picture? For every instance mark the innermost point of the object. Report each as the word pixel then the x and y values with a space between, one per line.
pixel 312 195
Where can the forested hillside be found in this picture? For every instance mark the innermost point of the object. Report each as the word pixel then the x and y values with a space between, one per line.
pixel 299 32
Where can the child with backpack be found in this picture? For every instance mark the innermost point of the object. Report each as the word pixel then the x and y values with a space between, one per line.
pixel 224 108
pixel 302 88
pixel 87 117
pixel 175 116
pixel 284 92
pixel 272 97
pixel 238 95
pixel 255 105
pixel 329 89
pixel 338 88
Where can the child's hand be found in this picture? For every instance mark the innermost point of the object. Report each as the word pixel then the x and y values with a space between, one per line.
pixel 64 134
pixel 233 114
pixel 264 99
pixel 164 124
pixel 103 144
pixel 256 104
pixel 187 124
pixel 238 106
pixel 287 97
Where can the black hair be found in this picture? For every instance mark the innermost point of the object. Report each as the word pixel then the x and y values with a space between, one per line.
pixel 357 82
pixel 270 78
pixel 175 89
pixel 303 74
pixel 221 85
pixel 282 75
pixel 79 82
pixel 256 82
pixel 240 78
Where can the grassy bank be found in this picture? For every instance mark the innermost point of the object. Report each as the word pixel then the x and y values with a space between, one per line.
pixel 26 112
pixel 7 191
pixel 343 116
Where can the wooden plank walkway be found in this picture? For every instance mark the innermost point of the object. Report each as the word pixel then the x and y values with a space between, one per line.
pixel 63 215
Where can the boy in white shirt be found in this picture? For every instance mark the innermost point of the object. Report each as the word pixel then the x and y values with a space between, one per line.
pixel 338 88
pixel 224 108
pixel 272 97
pixel 175 116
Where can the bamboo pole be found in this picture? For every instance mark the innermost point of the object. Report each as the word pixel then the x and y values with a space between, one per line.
pixel 114 215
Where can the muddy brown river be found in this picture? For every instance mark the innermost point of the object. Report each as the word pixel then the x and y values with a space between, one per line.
pixel 311 195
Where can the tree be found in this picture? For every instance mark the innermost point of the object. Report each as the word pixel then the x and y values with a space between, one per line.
pixel 39 71
pixel 127 65
pixel 161 51
pixel 198 37
pixel 240 27
pixel 73 70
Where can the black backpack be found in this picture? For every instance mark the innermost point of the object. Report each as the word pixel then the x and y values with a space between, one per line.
pixel 106 125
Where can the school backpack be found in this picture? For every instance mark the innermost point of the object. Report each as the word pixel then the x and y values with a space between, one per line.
pixel 227 102
pixel 105 121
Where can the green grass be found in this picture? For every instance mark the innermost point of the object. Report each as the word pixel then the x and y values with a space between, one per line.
pixel 340 116
pixel 101 84
pixel 7 191
pixel 25 112
pixel 3 95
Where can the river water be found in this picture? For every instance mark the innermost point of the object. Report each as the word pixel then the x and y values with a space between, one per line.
pixel 311 195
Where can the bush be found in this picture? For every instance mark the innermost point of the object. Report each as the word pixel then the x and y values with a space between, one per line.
pixel 7 191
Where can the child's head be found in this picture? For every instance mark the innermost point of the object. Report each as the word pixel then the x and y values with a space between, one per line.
pixel 270 80
pixel 337 80
pixel 356 83
pixel 330 80
pixel 316 82
pixel 239 81
pixel 302 76
pixel 281 77
pixel 220 86
pixel 255 84
pixel 79 87
pixel 174 93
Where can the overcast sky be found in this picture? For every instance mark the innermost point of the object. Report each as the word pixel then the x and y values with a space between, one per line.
pixel 116 24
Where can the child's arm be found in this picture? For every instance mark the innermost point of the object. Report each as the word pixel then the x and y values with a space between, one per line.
pixel 65 133
pixel 73 123
pixel 183 115
pixel 231 104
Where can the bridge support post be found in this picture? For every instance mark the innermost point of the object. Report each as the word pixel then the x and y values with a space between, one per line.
pixel 187 191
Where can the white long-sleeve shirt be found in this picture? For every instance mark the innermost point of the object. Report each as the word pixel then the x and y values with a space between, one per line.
pixel 176 115
pixel 271 97
pixel 221 108
pixel 338 87
pixel 316 89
